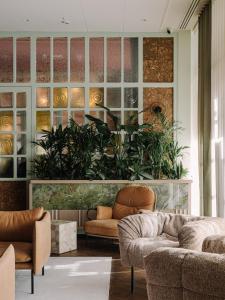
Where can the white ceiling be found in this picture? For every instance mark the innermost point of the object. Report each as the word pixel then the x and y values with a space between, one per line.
pixel 92 15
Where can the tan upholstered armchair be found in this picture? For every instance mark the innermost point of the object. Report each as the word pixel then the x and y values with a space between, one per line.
pixel 7 274
pixel 129 200
pixel 30 234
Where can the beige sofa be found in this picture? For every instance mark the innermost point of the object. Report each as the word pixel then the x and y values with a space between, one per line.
pixel 7 274
pixel 176 274
pixel 30 234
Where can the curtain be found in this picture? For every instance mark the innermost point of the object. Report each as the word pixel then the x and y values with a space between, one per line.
pixel 204 111
pixel 218 107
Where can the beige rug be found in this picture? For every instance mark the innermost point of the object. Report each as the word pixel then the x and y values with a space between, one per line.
pixel 68 278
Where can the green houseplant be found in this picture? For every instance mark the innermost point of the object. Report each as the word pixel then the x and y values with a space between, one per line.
pixel 94 151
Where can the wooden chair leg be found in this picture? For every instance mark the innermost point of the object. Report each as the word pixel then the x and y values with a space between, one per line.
pixel 43 271
pixel 32 282
pixel 132 280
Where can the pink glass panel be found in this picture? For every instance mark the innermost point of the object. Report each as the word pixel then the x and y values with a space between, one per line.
pixel 23 60
pixel 6 59
pixel 77 60
pixel 6 100
pixel 114 59
pixel 60 59
pixel 131 59
pixel 78 117
pixel 60 118
pixel 96 53
pixel 43 59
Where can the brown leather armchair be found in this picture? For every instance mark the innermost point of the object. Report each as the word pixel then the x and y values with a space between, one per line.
pixel 30 234
pixel 129 200
pixel 7 274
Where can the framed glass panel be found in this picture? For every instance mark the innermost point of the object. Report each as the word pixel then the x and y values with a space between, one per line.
pixel 21 167
pixel 6 167
pixel 114 97
pixel 6 59
pixel 21 144
pixel 130 59
pixel 42 97
pixel 96 97
pixel 21 121
pixel 78 117
pixel 96 57
pixel 6 120
pixel 130 117
pixel 114 59
pixel 110 121
pixel 6 144
pixel 60 118
pixel 77 59
pixel 43 121
pixel 60 59
pixel 43 59
pixel 6 100
pixel 60 98
pixel 21 100
pixel 23 59
pixel 131 97
pixel 77 99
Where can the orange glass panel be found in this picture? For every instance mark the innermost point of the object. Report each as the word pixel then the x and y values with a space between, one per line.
pixel 77 98
pixel 6 144
pixel 98 114
pixel 60 59
pixel 96 56
pixel 114 59
pixel 78 117
pixel 43 59
pixel 23 60
pixel 6 100
pixel 43 120
pixel 6 59
pixel 6 121
pixel 77 59
pixel 60 118
pixel 21 100
pixel 43 97
pixel 96 96
pixel 60 99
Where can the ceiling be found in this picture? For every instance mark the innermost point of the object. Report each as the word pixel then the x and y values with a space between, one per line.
pixel 92 15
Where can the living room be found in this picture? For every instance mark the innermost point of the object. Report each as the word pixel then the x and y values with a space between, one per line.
pixel 112 149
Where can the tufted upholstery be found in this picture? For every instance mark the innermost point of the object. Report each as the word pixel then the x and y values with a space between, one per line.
pixel 129 200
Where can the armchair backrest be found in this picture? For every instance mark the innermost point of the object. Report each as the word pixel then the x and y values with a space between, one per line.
pixel 130 199
pixel 19 225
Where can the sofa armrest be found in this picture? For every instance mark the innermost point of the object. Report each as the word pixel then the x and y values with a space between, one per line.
pixel 214 244
pixel 104 212
pixel 41 242
pixel 7 274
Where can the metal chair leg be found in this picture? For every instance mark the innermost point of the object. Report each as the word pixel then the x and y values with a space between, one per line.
pixel 132 280
pixel 32 282
pixel 43 271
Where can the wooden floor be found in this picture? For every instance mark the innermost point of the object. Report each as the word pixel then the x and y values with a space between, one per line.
pixel 120 276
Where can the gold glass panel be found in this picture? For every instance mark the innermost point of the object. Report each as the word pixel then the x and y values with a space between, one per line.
pixel 77 98
pixel 6 100
pixel 21 121
pixel 6 167
pixel 6 121
pixel 43 120
pixel 78 117
pixel 96 96
pixel 130 117
pixel 43 97
pixel 60 118
pixel 60 99
pixel 6 144
pixel 21 100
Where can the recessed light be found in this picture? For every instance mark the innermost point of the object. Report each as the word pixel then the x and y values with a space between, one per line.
pixel 27 20
pixel 144 20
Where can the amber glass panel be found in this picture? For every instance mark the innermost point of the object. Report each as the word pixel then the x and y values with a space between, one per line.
pixel 21 167
pixel 114 97
pixel 98 114
pixel 60 59
pixel 158 59
pixel 23 60
pixel 43 97
pixel 96 96
pixel 131 97
pixel 60 99
pixel 6 167
pixel 77 98
pixel 114 59
pixel 60 118
pixel 131 59
pixel 77 60
pixel 6 100
pixel 6 120
pixel 130 117
pixel 21 121
pixel 110 121
pixel 6 144
pixel 21 100
pixel 43 59
pixel 43 120
pixel 6 59
pixel 78 117
pixel 96 55
pixel 21 144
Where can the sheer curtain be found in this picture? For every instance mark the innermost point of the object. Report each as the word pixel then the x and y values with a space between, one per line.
pixel 218 107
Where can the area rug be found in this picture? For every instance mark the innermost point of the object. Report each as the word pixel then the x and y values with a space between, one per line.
pixel 68 278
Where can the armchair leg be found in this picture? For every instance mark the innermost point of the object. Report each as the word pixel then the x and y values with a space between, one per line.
pixel 132 280
pixel 32 282
pixel 43 271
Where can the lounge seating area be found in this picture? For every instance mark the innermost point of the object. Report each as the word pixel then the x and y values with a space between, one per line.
pixel 112 146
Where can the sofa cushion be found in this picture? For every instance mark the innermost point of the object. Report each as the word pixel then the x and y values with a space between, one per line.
pixel 18 225
pixel 23 251
pixel 102 227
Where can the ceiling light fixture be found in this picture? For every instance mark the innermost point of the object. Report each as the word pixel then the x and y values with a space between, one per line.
pixel 64 21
